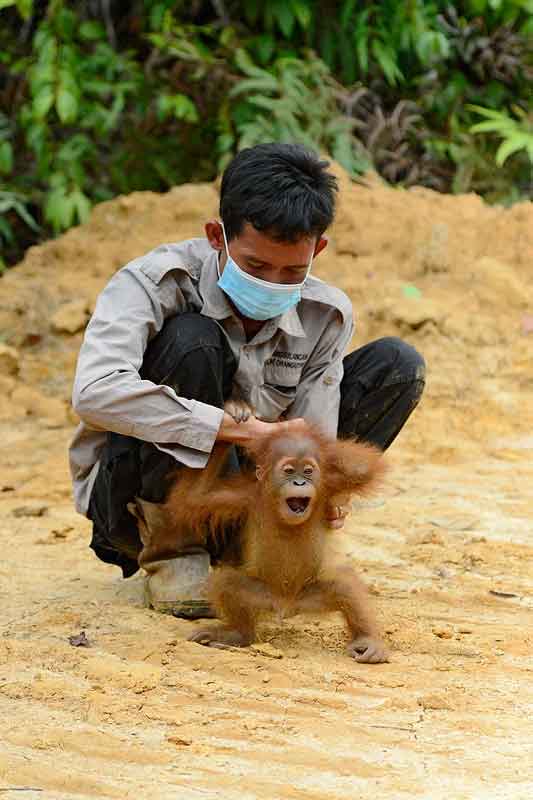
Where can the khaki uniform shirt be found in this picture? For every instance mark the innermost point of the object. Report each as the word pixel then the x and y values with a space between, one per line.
pixel 291 367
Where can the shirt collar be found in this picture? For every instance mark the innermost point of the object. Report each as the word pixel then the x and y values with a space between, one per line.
pixel 215 303
pixel 290 323
pixel 217 306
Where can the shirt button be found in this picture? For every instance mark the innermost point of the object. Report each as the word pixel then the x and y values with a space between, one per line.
pixel 328 381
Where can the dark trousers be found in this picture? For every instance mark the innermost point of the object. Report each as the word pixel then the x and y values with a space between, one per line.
pixel 383 382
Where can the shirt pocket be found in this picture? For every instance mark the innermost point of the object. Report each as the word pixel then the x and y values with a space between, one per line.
pixel 277 392
pixel 273 401
pixel 282 376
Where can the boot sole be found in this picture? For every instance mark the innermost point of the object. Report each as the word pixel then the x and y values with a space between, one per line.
pixel 184 609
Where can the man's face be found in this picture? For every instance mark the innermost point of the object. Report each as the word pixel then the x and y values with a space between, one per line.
pixel 265 258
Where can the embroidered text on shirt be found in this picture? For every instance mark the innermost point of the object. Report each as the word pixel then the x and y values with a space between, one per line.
pixel 284 359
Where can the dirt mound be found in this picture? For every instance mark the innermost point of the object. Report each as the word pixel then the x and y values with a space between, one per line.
pixel 448 274
pixel 130 709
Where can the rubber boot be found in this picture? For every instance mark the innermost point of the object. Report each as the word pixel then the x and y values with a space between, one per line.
pixel 176 564
pixel 178 586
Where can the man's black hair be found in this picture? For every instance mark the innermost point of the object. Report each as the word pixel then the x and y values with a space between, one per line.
pixel 281 189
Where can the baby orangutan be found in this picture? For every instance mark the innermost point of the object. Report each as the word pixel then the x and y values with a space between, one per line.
pixel 281 509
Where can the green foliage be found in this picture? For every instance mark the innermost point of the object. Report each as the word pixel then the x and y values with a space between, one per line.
pixel 24 7
pixel 356 38
pixel 178 106
pixel 98 99
pixel 6 147
pixel 13 208
pixel 294 101
pixel 517 134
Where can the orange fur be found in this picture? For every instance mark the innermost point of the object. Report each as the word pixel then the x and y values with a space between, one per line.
pixel 282 563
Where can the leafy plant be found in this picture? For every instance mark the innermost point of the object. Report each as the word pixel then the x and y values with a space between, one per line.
pixel 500 54
pixel 295 101
pixel 103 98
pixel 6 147
pixel 13 205
pixel 389 37
pixel 24 7
pixel 394 138
pixel 517 133
pixel 472 156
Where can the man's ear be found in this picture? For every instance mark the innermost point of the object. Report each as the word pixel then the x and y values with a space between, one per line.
pixel 213 232
pixel 320 245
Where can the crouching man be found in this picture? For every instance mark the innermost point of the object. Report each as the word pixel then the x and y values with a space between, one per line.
pixel 178 331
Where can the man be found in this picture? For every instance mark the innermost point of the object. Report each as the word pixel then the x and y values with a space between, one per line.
pixel 180 330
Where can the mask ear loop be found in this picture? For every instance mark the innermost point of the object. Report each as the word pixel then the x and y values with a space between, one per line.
pixel 309 266
pixel 225 239
pixel 226 246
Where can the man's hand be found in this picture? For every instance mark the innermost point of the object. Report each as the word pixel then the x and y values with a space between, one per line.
pixel 249 431
pixel 337 510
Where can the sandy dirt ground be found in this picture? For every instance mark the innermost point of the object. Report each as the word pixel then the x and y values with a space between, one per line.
pixel 446 548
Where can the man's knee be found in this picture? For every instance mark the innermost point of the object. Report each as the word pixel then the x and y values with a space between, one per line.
pixel 190 345
pixel 188 332
pixel 405 363
pixel 383 383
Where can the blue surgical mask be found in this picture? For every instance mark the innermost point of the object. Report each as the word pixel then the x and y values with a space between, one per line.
pixel 255 298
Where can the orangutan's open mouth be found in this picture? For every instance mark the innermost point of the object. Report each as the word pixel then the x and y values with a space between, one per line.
pixel 298 505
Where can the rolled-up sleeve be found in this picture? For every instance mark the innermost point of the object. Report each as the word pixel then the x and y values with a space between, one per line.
pixel 109 393
pixel 318 392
